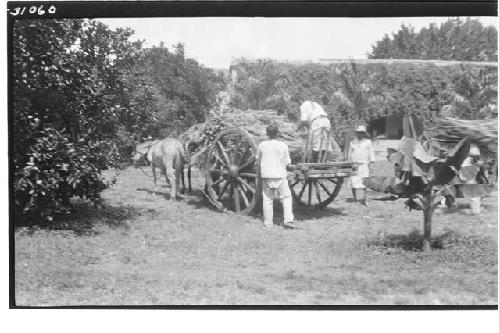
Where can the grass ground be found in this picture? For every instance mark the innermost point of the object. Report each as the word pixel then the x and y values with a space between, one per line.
pixel 141 249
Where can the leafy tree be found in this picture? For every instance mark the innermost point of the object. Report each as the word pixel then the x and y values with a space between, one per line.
pixel 456 39
pixel 417 89
pixel 474 94
pixel 186 89
pixel 359 97
pixel 426 179
pixel 65 89
pixel 311 82
pixel 255 84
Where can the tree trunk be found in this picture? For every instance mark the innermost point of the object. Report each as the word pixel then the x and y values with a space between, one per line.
pixel 427 229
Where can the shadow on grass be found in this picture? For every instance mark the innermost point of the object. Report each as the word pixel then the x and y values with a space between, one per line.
pixel 300 212
pixel 198 200
pixel 84 219
pixel 447 240
pixel 195 199
pixel 151 192
pixel 414 240
pixel 303 213
pixel 166 194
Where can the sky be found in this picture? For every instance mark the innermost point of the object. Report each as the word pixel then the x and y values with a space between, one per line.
pixel 214 41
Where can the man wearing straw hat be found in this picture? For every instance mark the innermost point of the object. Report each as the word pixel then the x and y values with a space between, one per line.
pixel 473 160
pixel 361 154
pixel 313 117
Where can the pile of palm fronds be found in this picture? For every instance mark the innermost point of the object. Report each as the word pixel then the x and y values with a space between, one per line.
pixel 483 133
pixel 198 138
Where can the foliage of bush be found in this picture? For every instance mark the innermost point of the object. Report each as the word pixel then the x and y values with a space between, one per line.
pixel 474 94
pixel 257 85
pixel 189 88
pixel 57 169
pixel 354 94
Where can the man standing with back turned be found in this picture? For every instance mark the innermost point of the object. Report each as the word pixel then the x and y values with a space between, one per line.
pixel 273 158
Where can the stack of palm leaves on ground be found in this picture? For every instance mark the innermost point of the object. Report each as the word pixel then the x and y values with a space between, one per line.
pixel 198 138
pixel 483 133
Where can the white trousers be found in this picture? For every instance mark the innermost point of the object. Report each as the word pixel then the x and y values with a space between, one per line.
pixel 356 180
pixel 475 203
pixel 276 188
pixel 319 138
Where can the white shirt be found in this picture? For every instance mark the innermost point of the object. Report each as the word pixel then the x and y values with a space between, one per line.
pixel 361 151
pixel 311 110
pixel 273 157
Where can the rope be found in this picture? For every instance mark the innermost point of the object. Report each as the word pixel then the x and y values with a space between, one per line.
pixel 140 167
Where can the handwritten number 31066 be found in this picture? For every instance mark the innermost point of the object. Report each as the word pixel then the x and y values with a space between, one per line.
pixel 33 10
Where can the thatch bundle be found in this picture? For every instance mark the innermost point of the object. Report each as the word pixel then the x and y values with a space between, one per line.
pixel 483 133
pixel 198 138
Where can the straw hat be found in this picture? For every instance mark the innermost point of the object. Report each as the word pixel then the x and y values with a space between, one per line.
pixel 361 129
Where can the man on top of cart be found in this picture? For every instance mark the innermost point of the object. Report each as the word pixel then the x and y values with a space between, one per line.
pixel 314 118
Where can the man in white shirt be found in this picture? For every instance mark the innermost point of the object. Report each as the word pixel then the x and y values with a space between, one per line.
pixel 314 117
pixel 273 158
pixel 362 155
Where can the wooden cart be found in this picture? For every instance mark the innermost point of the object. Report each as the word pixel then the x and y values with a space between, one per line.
pixel 232 182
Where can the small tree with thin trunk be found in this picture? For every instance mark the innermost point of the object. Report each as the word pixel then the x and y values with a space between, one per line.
pixel 426 179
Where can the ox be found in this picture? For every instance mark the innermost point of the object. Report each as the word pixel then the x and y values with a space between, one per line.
pixel 167 155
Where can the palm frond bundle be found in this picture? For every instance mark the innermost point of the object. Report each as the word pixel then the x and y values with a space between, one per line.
pixel 199 137
pixel 483 133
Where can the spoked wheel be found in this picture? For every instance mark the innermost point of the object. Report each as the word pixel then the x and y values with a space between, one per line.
pixel 231 177
pixel 315 192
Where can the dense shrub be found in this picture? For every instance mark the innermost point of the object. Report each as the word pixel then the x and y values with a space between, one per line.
pixel 256 85
pixel 57 170
pixel 358 93
pixel 474 94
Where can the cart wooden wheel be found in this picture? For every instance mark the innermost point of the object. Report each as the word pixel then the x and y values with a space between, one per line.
pixel 315 192
pixel 231 177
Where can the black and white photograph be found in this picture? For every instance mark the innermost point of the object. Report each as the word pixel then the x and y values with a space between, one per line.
pixel 252 160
